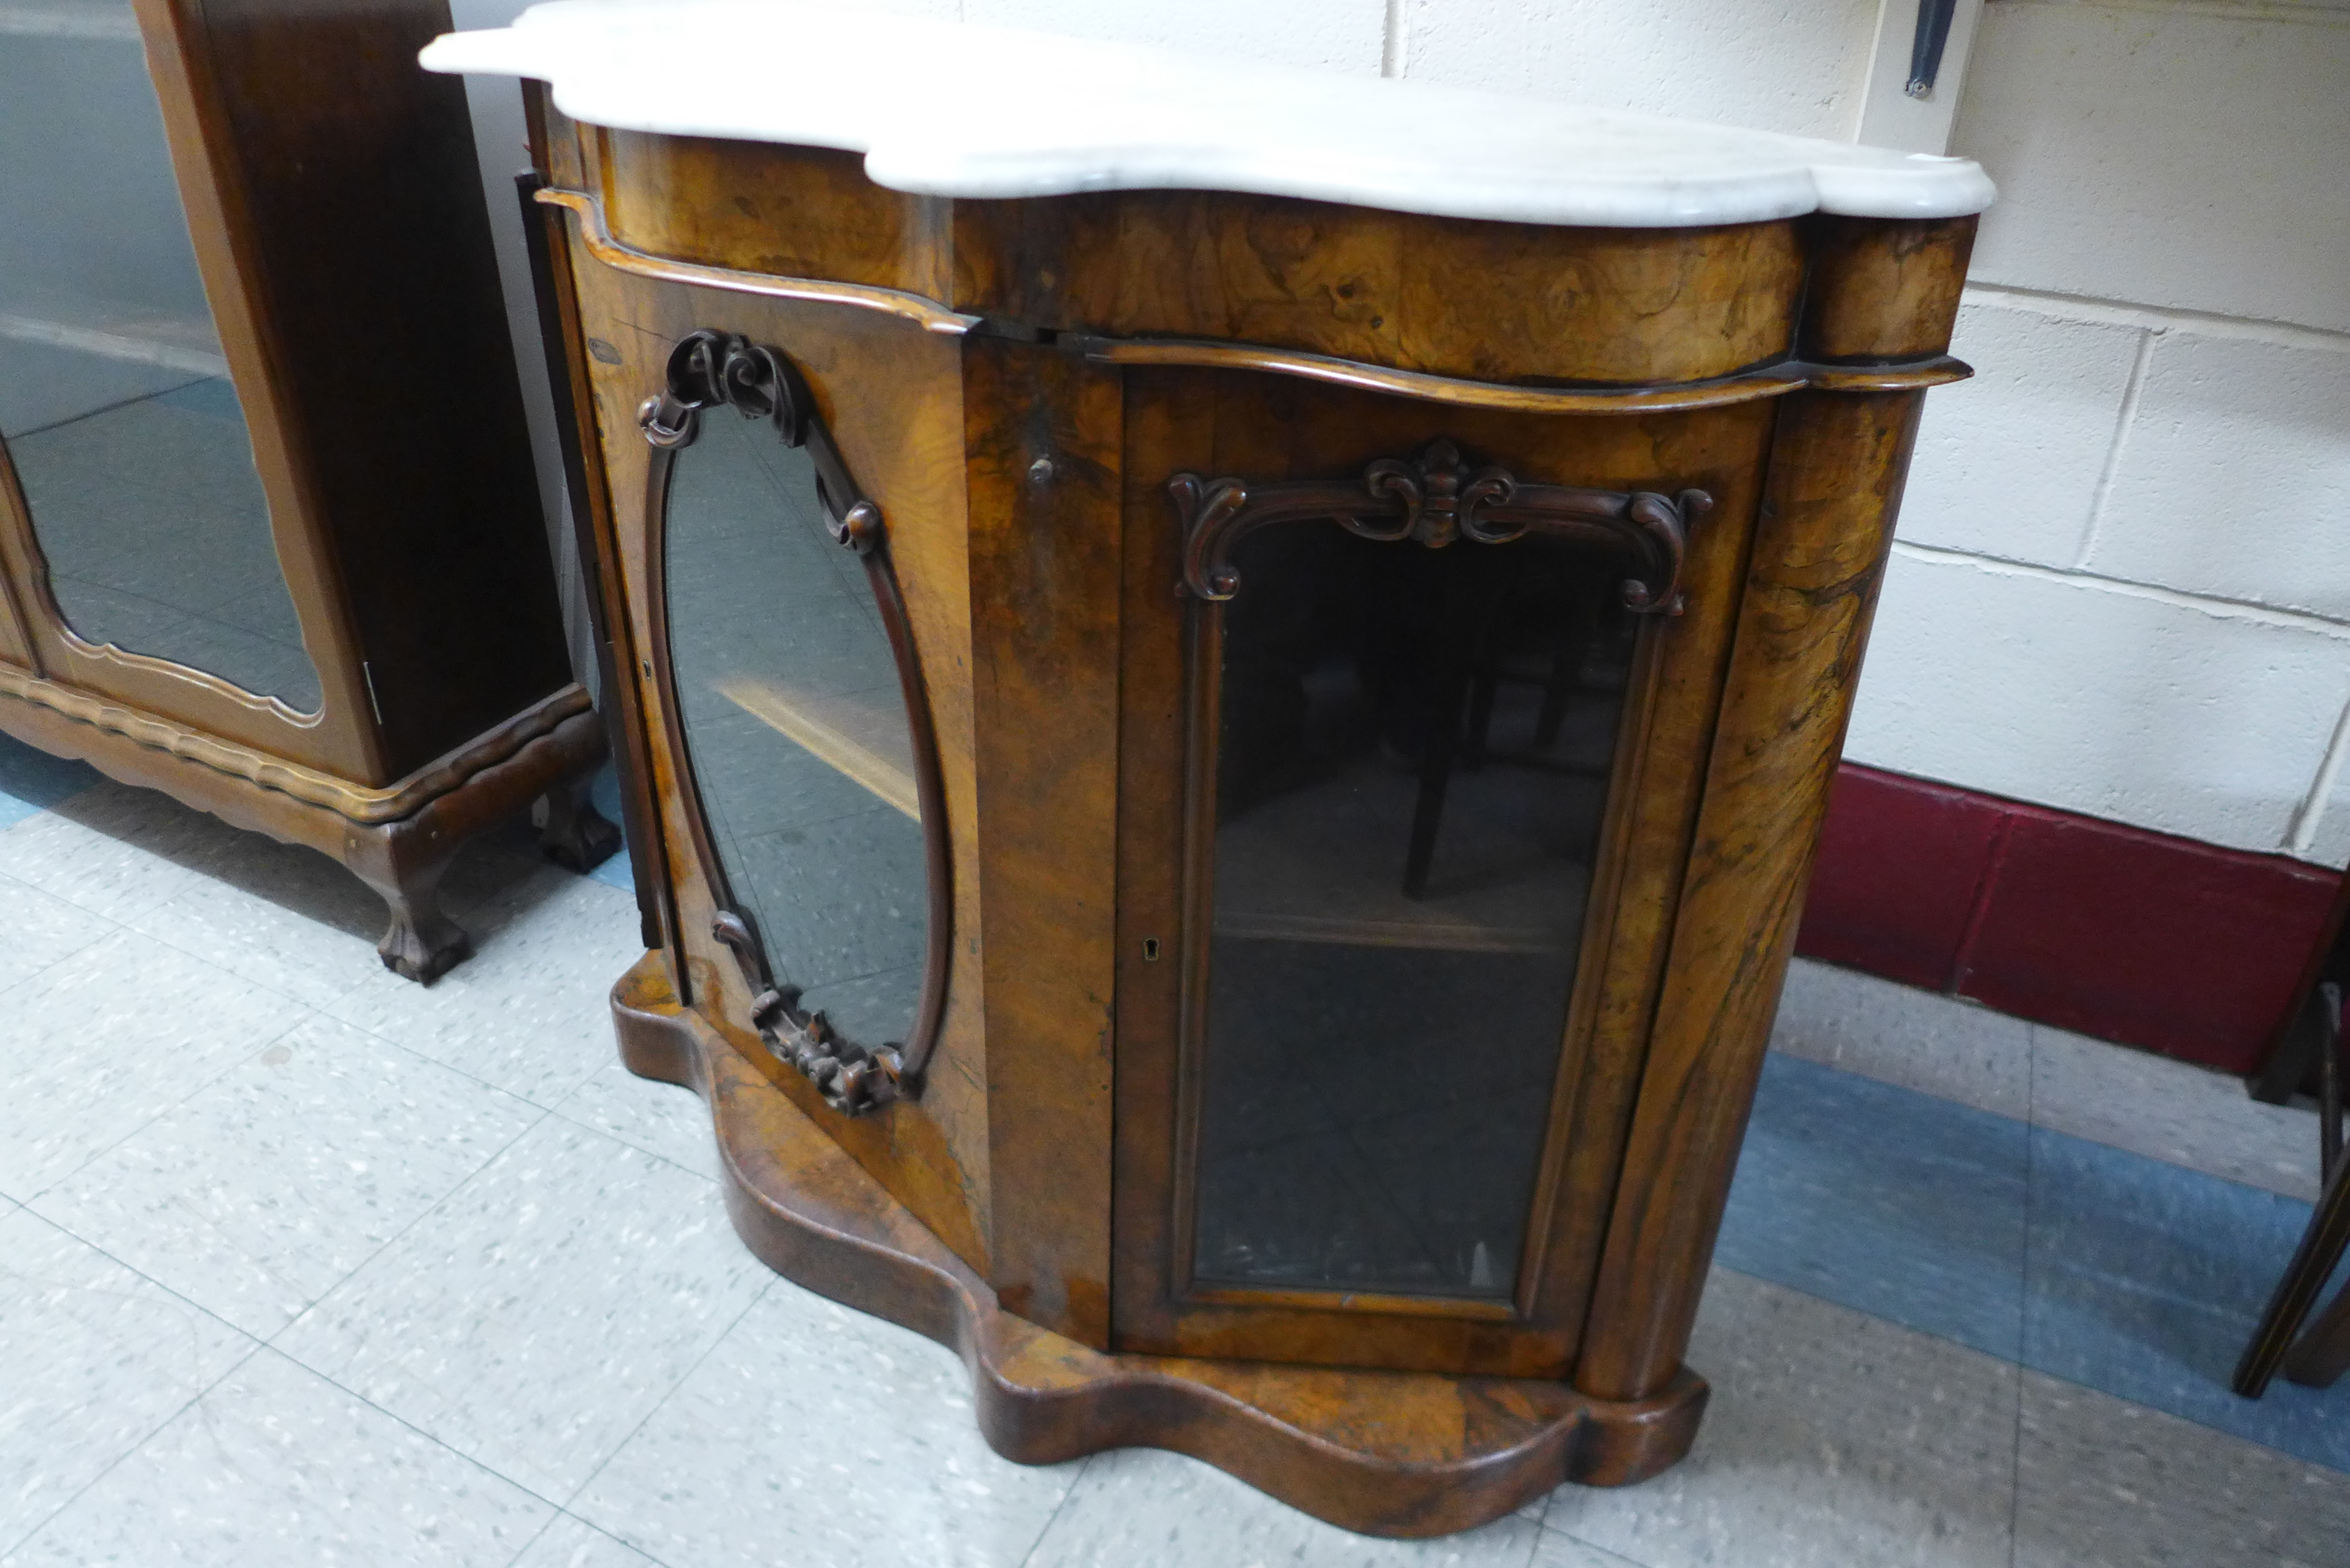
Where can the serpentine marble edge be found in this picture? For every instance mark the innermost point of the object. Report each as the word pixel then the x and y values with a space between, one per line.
pixel 942 109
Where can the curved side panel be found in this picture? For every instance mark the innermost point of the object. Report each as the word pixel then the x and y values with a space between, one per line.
pixel 1384 1453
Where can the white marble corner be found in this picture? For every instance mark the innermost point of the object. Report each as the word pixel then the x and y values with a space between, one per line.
pixel 815 1434
pixel 567 1542
pixel 276 1468
pixel 530 1012
pixel 542 1310
pixel 665 1120
pixel 96 1358
pixel 104 1041
pixel 1832 1436
pixel 1911 1038
pixel 1118 116
pixel 2172 1111
pixel 263 1190
pixel 1144 1505
pixel 2106 1484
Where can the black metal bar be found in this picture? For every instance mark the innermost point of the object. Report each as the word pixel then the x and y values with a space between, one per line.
pixel 1933 35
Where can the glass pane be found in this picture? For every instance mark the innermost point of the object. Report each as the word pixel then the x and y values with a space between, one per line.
pixel 115 400
pixel 796 728
pixel 1379 1059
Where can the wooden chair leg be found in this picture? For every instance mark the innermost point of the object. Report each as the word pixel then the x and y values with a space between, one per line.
pixel 2322 1353
pixel 2322 1246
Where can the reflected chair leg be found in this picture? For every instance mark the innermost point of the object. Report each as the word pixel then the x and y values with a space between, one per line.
pixel 576 835
pixel 2322 1353
pixel 2322 1246
pixel 404 865
pixel 1458 633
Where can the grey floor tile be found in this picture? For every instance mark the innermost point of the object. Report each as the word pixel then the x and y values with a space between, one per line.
pixel 96 1359
pixel 535 1318
pixel 42 929
pixel 103 1041
pixel 1899 1034
pixel 1557 1550
pixel 2109 1484
pixel 569 1544
pixel 1144 1505
pixel 281 916
pixel 1832 1438
pixel 530 1012
pixel 276 1467
pixel 820 1436
pixel 661 1119
pixel 2170 1111
pixel 263 1192
pixel 114 850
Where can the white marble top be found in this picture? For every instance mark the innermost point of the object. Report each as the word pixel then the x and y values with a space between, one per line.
pixel 945 109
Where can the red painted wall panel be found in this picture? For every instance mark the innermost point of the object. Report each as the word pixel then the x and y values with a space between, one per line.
pixel 2160 942
pixel 1901 862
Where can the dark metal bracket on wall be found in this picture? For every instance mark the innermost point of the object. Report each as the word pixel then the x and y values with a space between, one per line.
pixel 708 369
pixel 1436 499
pixel 1933 35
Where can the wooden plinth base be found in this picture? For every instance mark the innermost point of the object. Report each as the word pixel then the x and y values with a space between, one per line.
pixel 398 840
pixel 1387 1453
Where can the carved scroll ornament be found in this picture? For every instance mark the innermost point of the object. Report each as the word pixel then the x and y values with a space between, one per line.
pixel 1436 499
pixel 707 369
pixel 853 1079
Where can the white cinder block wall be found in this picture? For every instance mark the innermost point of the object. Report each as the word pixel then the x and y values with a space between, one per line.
pixel 2122 585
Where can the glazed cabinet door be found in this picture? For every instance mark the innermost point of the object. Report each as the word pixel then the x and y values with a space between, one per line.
pixel 1409 667
pixel 144 494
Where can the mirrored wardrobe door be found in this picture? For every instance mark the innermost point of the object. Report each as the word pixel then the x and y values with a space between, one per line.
pixel 127 437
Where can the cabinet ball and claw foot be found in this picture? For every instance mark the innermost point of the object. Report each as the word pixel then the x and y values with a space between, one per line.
pixel 1227 680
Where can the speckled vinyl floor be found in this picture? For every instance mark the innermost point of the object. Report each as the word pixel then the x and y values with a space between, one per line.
pixel 304 1265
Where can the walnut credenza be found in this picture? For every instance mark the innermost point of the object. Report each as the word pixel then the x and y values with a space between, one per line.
pixel 1226 776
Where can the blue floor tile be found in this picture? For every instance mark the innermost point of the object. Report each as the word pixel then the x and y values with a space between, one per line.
pixel 606 798
pixel 2146 1279
pixel 1885 1200
pixel 32 781
pixel 2137 1278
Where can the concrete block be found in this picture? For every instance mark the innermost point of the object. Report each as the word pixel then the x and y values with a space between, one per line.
pixel 2008 463
pixel 1338 34
pixel 2234 477
pixel 2325 838
pixel 2118 703
pixel 2175 157
pixel 1794 66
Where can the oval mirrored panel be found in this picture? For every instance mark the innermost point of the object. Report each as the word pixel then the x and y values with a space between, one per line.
pixel 796 728
pixel 119 420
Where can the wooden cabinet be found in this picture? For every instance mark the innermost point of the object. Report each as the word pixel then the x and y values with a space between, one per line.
pixel 1228 770
pixel 270 539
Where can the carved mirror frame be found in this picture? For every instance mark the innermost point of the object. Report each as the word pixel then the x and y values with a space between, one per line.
pixel 708 369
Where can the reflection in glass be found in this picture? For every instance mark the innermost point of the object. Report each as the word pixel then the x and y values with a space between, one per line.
pixel 1378 1065
pixel 115 404
pixel 796 728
